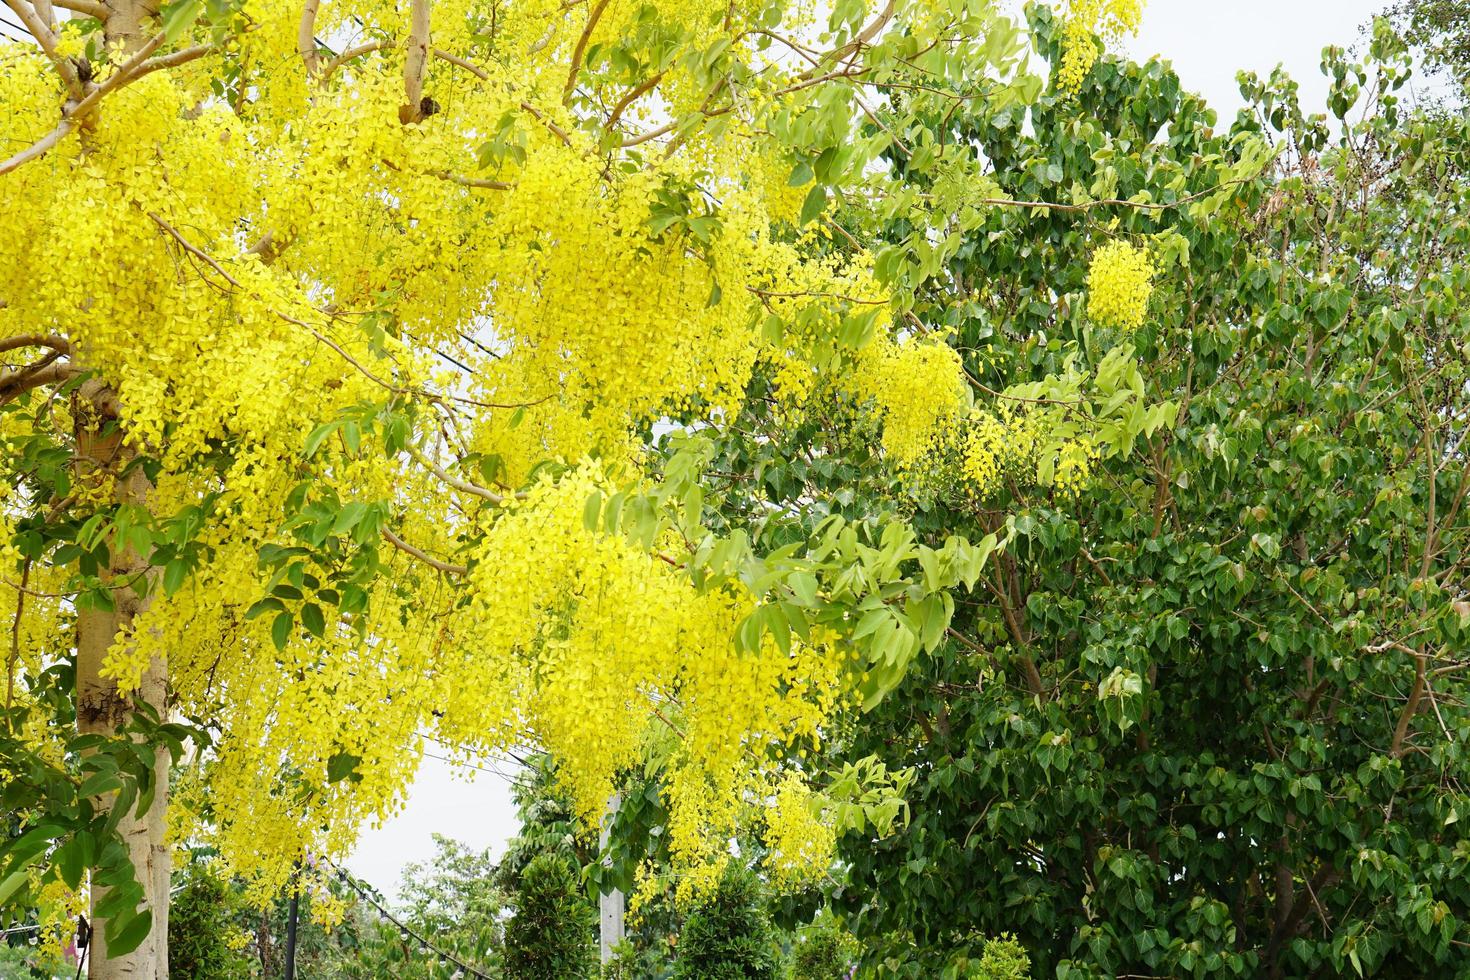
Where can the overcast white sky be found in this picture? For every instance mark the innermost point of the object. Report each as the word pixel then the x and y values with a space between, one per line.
pixel 1207 42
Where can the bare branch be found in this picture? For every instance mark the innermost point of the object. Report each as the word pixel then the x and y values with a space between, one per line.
pixel 556 130
pixel 422 555
pixel 633 95
pixel 126 72
pixel 89 7
pixel 1411 708
pixel 356 51
pixel 47 371
pixel 134 68
pixel 576 67
pixel 459 62
pixel 57 344
pixel 864 37
pixel 462 485
pixel 197 253
pixel 38 148
pixel 172 59
pixel 494 185
pixel 39 21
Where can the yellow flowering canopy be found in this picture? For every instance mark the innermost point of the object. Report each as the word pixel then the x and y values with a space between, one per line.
pixel 333 337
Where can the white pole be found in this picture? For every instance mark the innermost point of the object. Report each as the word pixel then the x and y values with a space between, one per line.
pixel 610 903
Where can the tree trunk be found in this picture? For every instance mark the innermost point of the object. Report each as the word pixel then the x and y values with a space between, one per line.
pixel 102 709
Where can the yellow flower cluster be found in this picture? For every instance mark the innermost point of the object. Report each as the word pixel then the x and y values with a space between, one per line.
pixel 1119 283
pixel 919 391
pixel 996 446
pixel 802 843
pixel 57 908
pixel 587 640
pixel 1086 20
pixel 1076 461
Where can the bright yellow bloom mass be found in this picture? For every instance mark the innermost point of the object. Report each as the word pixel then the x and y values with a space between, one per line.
pixel 1119 283
pixel 351 320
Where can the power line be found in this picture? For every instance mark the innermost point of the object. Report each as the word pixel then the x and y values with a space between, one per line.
pixel 403 929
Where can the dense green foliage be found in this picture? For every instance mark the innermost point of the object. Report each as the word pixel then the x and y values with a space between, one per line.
pixel 728 935
pixel 54 802
pixel 1204 718
pixel 1238 752
pixel 823 951
pixel 551 935
pixel 200 925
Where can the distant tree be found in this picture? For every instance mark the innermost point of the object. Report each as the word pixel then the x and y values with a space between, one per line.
pixel 728 935
pixel 203 920
pixel 551 936
pixel 1441 30
pixel 455 901
pixel 1208 716
pixel 823 951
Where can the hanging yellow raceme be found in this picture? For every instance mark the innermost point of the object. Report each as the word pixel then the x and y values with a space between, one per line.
pixel 1119 283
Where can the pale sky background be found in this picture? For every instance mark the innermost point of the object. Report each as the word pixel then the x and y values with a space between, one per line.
pixel 1208 41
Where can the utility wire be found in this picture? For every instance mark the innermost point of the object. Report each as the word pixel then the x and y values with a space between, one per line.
pixel 469 971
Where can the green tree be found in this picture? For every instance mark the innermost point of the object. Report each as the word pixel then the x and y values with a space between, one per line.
pixel 728 935
pixel 551 935
pixel 202 919
pixel 823 951
pixel 1208 718
pixel 1441 30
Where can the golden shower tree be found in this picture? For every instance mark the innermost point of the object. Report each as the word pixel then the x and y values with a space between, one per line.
pixel 333 335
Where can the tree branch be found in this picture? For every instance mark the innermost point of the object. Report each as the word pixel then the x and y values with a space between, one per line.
pixel 356 51
pixel 576 67
pixel 41 29
pixel 633 95
pixel 458 484
pixel 135 67
pixel 459 62
pixel 57 344
pixel 306 38
pixel 422 555
pixel 1411 707
pixel 89 7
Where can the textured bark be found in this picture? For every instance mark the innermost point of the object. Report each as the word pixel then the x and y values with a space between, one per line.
pixel 102 709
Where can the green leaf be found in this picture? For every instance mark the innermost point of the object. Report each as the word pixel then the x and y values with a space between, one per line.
pixel 318 435
pixel 178 17
pixel 312 619
pixel 174 575
pixel 281 630
pixel 804 586
pixel 815 203
pixel 11 885
pixel 592 510
pixel 68 861
pixel 352 437
pixel 348 517
pixel 263 605
pixel 126 933
pixel 99 783
pixel 343 766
